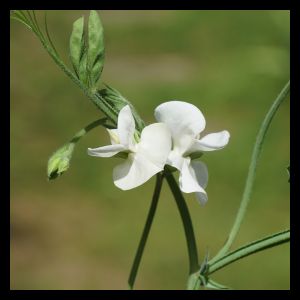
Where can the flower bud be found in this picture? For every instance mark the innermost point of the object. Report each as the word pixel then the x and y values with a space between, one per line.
pixel 59 162
pixel 117 101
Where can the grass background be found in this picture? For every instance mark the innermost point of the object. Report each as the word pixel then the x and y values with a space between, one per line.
pixel 80 231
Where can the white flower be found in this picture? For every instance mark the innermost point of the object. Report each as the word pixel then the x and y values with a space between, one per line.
pixel 186 122
pixel 144 159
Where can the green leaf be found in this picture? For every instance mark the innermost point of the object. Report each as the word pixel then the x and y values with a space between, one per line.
pixel 82 71
pixel 252 171
pixel 77 44
pixel 288 170
pixel 267 242
pixel 216 286
pixel 95 53
pixel 19 16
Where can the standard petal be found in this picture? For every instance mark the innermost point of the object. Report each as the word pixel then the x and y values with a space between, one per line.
pixel 156 143
pixel 126 126
pixel 184 120
pixel 135 171
pixel 106 151
pixel 187 180
pixel 211 142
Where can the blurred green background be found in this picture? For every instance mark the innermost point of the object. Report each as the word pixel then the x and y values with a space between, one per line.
pixel 80 231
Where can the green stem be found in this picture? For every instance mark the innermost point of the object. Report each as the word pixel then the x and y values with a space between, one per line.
pixel 187 224
pixel 254 247
pixel 99 102
pixel 31 23
pixel 251 173
pixel 86 129
pixel 147 227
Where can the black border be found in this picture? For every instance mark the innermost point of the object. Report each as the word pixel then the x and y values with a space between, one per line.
pixel 5 291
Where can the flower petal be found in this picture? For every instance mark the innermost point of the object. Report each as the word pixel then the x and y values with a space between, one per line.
pixel 126 126
pixel 201 197
pixel 106 151
pixel 114 136
pixel 135 171
pixel 175 159
pixel 184 120
pixel 211 142
pixel 201 174
pixel 156 143
pixel 187 180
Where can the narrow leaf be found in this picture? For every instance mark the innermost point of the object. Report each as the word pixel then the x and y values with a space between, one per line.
pixel 47 32
pixel 95 56
pixel 216 286
pixel 17 15
pixel 251 248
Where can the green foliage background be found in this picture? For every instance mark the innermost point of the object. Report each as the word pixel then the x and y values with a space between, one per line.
pixel 80 231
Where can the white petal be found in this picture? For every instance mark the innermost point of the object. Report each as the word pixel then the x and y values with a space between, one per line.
pixel 136 170
pixel 126 126
pixel 211 142
pixel 156 143
pixel 201 197
pixel 114 136
pixel 187 180
pixel 175 159
pixel 106 151
pixel 184 120
pixel 201 174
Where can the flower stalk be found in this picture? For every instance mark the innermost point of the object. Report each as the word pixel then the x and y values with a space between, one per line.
pixel 147 227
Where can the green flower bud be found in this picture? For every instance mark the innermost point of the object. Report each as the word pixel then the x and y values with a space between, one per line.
pixel 118 101
pixel 59 162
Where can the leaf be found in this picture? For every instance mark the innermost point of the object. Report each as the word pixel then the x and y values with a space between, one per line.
pixel 77 44
pixel 82 71
pixel 95 53
pixel 288 170
pixel 18 16
pixel 216 286
pixel 267 242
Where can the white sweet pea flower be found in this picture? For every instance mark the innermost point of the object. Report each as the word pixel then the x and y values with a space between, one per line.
pixel 144 158
pixel 186 122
